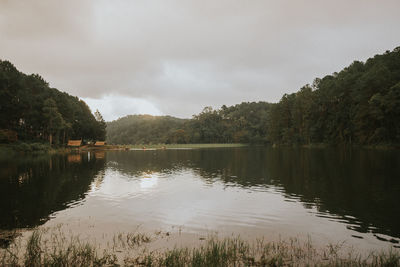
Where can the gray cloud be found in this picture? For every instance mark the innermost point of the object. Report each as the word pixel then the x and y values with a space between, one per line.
pixel 180 56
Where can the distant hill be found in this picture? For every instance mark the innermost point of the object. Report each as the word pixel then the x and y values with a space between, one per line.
pixel 144 129
pixel 242 123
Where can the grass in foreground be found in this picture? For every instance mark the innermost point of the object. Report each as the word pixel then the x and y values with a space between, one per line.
pixel 130 250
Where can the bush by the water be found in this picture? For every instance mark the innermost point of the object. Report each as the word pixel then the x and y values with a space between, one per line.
pixel 22 147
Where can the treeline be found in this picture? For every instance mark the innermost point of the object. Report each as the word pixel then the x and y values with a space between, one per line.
pixel 31 111
pixel 143 129
pixel 358 105
pixel 243 123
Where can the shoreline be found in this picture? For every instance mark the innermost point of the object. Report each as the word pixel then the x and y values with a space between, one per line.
pixel 7 150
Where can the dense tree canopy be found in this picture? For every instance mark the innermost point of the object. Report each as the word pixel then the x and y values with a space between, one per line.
pixel 144 129
pixel 360 104
pixel 246 122
pixel 242 123
pixel 33 110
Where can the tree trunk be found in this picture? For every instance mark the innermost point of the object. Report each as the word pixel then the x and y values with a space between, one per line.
pixel 51 138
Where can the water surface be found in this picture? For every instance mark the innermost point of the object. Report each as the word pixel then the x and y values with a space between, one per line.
pixel 330 195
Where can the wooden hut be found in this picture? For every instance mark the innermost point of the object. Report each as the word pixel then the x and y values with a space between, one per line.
pixel 99 143
pixel 74 143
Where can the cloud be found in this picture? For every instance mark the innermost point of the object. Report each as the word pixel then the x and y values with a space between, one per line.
pixel 180 56
pixel 115 106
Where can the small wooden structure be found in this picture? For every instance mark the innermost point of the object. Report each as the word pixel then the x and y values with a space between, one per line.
pixel 99 143
pixel 75 143
pixel 8 135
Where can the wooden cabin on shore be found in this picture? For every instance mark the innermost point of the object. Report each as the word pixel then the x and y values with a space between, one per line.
pixel 100 143
pixel 74 143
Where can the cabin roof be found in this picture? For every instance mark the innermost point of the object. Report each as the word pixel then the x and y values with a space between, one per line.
pixel 100 143
pixel 74 142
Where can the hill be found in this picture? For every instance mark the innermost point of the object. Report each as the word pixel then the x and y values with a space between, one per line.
pixel 144 129
pixel 242 123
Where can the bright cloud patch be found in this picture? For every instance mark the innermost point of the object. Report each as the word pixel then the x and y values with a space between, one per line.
pixel 113 107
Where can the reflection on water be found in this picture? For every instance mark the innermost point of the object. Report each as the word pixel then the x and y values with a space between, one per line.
pixel 243 189
pixel 77 158
pixel 33 188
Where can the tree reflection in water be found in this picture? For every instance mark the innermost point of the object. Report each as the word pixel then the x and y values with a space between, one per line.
pixel 358 187
pixel 353 186
pixel 32 188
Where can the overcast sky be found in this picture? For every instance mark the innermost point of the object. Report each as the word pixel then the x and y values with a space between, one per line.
pixel 176 57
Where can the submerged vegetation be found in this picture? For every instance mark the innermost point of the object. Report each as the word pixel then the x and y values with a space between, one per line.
pixel 359 105
pixel 56 249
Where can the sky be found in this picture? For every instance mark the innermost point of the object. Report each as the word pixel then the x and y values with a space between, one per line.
pixel 175 57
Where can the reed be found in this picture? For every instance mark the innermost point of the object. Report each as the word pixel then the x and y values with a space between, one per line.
pixel 127 250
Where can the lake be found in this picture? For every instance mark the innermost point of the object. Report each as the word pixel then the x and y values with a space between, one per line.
pixel 327 195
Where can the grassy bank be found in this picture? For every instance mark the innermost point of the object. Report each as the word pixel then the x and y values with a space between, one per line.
pixel 21 147
pixel 221 145
pixel 7 150
pixel 347 146
pixel 182 146
pixel 55 249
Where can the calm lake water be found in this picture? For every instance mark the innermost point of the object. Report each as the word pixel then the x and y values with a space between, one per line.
pixel 329 195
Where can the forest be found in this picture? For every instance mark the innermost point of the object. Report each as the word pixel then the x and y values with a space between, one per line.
pixel 31 111
pixel 359 105
pixel 243 123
